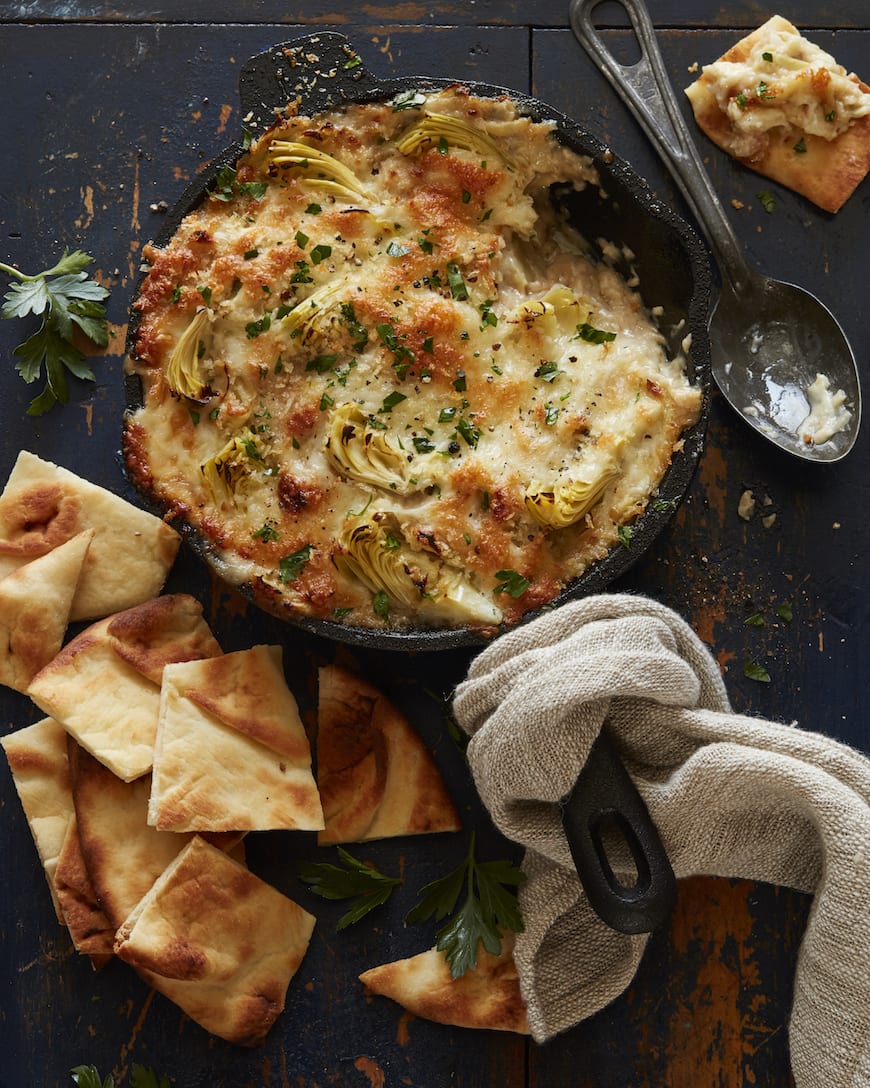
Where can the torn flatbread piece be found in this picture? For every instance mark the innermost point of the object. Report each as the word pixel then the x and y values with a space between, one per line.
pixel 218 941
pixel 231 751
pixel 487 996
pixel 37 757
pixel 786 109
pixel 44 505
pixel 92 933
pixel 104 685
pixel 376 777
pixel 35 603
pixel 122 854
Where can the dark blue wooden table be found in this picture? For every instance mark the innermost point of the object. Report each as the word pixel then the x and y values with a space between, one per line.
pixel 108 111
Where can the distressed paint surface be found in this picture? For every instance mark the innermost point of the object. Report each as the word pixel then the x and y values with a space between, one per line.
pixel 128 109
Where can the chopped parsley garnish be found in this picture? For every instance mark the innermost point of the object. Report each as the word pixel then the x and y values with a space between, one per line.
pixel 468 431
pixel 206 294
pixel 767 56
pixel 548 371
pixel 326 401
pixel 291 566
pixel 381 605
pixel 302 273
pixel 446 415
pixel 551 415
pixel 458 289
pixel 487 314
pixel 302 240
pixel 785 613
pixel 391 400
pixel 766 199
pixel 459 383
pixel 591 335
pixel 800 147
pixel 255 328
pixel 423 445
pixel 443 146
pixel 511 582
pixel 266 532
pixel 426 245
pixel 753 671
pixel 755 620
pixel 396 249
pixel 313 209
pixel 408 100
pixel 320 253
pixel 250 254
pixel 626 535
pixel 321 363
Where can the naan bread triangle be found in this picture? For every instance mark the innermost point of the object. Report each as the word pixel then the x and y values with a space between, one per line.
pixel 104 686
pixel 122 854
pixel 44 505
pixel 37 756
pixel 231 751
pixel 35 603
pixel 218 941
pixel 376 777
pixel 92 933
pixel 486 997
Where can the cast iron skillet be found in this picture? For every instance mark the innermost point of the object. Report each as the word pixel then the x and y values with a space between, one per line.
pixel 323 71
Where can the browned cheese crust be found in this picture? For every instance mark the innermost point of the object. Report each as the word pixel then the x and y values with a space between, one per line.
pixel 364 380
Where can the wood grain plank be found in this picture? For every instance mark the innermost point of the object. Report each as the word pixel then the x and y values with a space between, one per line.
pixel 530 13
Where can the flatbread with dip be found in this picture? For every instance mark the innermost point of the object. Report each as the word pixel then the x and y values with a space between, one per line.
pixel 35 602
pixel 44 505
pixel 785 108
pixel 218 941
pixel 486 997
pixel 231 752
pixel 376 777
pixel 104 686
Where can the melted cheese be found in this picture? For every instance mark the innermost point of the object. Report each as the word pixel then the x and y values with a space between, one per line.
pixel 394 365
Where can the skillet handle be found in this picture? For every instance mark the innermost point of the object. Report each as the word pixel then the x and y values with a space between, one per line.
pixel 604 801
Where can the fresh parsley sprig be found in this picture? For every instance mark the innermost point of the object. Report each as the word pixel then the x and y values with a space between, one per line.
pixel 355 880
pixel 65 299
pixel 490 906
pixel 86 1076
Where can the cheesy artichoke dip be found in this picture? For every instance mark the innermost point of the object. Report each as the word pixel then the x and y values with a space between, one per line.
pixel 385 381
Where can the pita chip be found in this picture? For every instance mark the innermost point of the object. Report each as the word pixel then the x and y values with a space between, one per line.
pixel 231 751
pixel 44 505
pixel 35 603
pixel 122 854
pixel 91 932
pixel 376 777
pixel 218 941
pixel 487 996
pixel 104 685
pixel 37 756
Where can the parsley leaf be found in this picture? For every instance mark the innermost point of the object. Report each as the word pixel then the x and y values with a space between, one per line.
pixel 291 566
pixel 66 300
pixel 512 582
pixel 490 906
pixel 591 335
pixel 753 671
pixel 86 1076
pixel 145 1077
pixel 357 880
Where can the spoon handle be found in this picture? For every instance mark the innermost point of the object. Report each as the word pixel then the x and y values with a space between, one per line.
pixel 647 91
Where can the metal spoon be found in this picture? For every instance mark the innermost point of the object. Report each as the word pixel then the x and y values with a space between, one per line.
pixel 769 340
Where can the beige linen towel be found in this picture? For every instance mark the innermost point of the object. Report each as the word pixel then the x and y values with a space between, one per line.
pixel 731 796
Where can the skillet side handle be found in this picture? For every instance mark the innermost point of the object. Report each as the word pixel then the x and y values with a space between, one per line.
pixel 605 802
pixel 322 70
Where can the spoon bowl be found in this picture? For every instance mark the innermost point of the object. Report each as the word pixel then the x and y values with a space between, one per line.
pixel 778 354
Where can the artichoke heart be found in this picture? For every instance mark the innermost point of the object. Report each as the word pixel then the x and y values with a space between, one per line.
pixel 569 500
pixel 376 553
pixel 556 313
pixel 434 128
pixel 184 368
pixel 370 456
pixel 317 168
pixel 308 316
pixel 226 469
